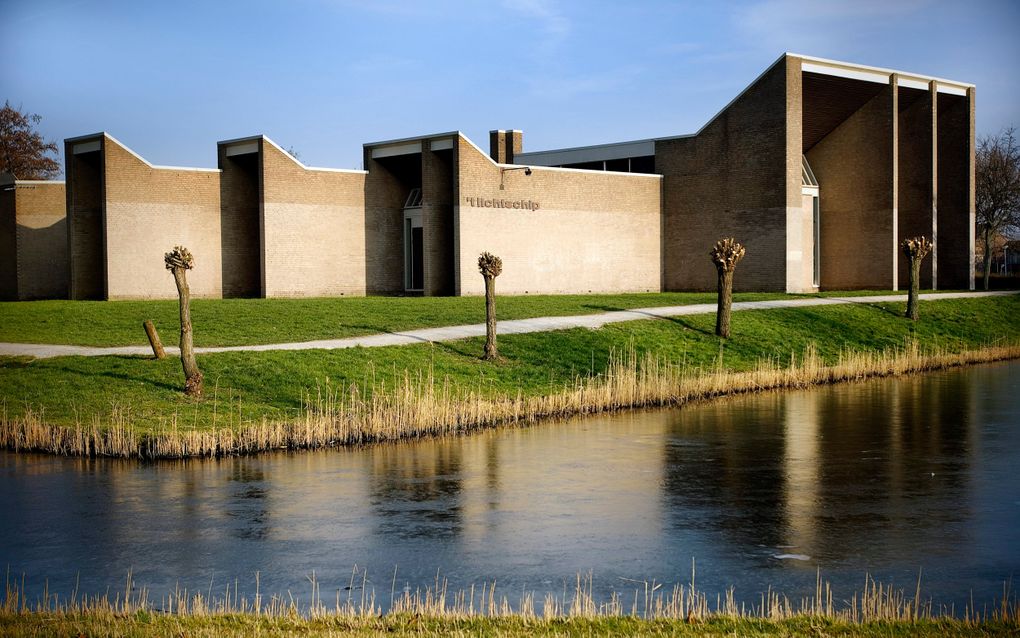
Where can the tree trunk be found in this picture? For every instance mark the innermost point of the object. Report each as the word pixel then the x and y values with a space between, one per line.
pixel 722 314
pixel 988 255
pixel 192 375
pixel 915 287
pixel 490 320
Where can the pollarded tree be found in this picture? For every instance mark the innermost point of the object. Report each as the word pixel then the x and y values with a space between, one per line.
pixel 916 249
pixel 997 191
pixel 725 255
pixel 179 261
pixel 23 152
pixel 490 266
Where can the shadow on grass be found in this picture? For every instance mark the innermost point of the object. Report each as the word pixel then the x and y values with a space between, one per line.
pixel 878 306
pixel 677 320
pixel 123 376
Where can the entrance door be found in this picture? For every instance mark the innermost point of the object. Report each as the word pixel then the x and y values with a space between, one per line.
pixel 414 253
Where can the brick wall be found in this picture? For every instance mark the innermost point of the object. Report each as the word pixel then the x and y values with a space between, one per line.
pixel 85 209
pixel 313 228
pixel 41 236
pixel 856 169
pixel 916 176
pixel 8 243
pixel 148 212
pixel 384 229
pixel 955 191
pixel 593 231
pixel 739 177
pixel 240 224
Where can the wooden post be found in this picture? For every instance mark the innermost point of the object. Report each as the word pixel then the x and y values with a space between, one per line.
pixel 157 345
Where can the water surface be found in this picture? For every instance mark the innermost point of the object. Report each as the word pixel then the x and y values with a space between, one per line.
pixel 886 478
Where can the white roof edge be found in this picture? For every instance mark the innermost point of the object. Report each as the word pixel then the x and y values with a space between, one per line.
pixel 250 138
pixel 537 167
pixel 38 181
pixel 157 166
pixel 638 148
pixel 877 69
pixel 79 138
pixel 483 153
pixel 415 138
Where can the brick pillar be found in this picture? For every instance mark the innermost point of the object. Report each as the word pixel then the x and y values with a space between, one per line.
pixel 916 177
pixel 955 198
pixel 504 146
pixel 437 221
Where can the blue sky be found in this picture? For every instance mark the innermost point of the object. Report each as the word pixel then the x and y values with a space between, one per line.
pixel 169 79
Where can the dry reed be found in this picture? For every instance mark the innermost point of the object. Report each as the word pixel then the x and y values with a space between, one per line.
pixel 419 405
pixel 650 601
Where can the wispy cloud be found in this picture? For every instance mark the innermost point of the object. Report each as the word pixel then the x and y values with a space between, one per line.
pixel 554 26
pixel 806 25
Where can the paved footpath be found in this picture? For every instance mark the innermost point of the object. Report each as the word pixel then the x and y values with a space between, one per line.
pixel 449 333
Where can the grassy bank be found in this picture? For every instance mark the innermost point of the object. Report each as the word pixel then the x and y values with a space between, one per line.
pixel 680 610
pixel 127 406
pixel 228 322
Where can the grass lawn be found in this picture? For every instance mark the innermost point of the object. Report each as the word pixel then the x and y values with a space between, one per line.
pixel 228 322
pixel 272 384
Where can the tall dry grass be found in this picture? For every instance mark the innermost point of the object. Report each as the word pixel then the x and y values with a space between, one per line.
pixel 419 405
pixel 647 600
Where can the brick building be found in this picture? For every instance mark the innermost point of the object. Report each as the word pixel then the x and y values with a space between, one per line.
pixel 819 168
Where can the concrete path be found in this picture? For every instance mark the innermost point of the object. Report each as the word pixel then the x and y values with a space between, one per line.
pixel 450 333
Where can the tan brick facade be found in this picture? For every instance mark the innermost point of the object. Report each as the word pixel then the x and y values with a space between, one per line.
pixel 739 177
pixel 148 211
pixel 33 240
pixel 313 230
pixel 592 231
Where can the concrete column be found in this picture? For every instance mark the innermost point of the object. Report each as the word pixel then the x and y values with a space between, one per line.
pixel 895 94
pixel 933 95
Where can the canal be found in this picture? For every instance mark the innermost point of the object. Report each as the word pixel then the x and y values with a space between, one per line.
pixel 890 477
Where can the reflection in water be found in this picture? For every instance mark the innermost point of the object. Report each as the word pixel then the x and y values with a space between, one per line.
pixel 883 477
pixel 802 473
pixel 417 494
pixel 248 503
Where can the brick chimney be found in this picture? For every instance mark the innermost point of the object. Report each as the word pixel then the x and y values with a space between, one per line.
pixel 504 146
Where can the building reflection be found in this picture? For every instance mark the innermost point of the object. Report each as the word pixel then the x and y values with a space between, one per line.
pixel 832 473
pixel 415 489
pixel 248 504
